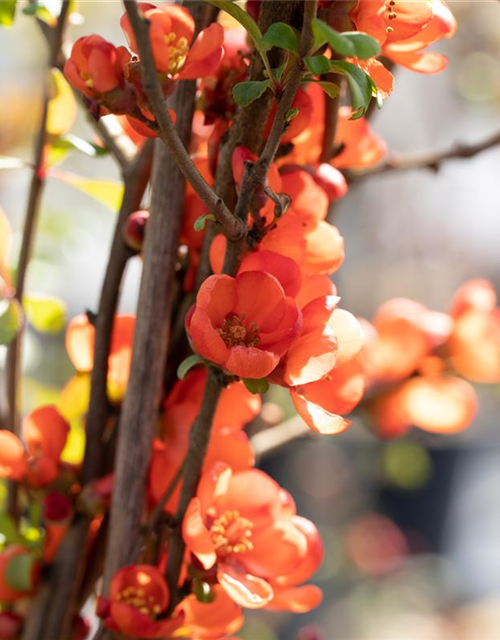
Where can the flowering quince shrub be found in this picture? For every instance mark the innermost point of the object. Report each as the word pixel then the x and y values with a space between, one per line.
pixel 237 295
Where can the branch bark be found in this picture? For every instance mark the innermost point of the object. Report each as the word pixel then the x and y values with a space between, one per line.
pixel 55 605
pixel 431 160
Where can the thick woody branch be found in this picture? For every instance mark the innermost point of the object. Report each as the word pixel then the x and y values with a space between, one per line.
pixel 432 160
pixel 232 227
pixel 55 604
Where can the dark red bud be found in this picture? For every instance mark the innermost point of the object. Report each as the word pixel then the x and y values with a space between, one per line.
pixel 57 507
pixel 10 625
pixel 81 628
pixel 135 228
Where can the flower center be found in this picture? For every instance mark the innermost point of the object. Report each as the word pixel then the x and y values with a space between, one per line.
pixel 391 14
pixel 231 533
pixel 176 53
pixel 136 597
pixel 235 332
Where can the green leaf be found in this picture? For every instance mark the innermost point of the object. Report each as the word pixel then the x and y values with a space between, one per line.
pixel 245 93
pixel 19 572
pixel 11 319
pixel 240 16
pixel 280 35
pixel 45 313
pixel 360 85
pixel 199 223
pixel 364 45
pixel 107 192
pixel 187 364
pixel 41 12
pixel 317 65
pixel 8 529
pixel 256 385
pixel 291 114
pixel 7 12
pixel 330 88
pixel 62 108
pixel 324 34
pixel 62 145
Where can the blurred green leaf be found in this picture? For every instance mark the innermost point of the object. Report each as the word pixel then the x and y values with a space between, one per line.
pixel 187 364
pixel 330 88
pixel 324 34
pixel 10 320
pixel 62 107
pixel 107 192
pixel 254 385
pixel 7 12
pixel 8 529
pixel 317 65
pixel 280 35
pixel 360 85
pixel 45 313
pixel 201 221
pixel 240 16
pixel 245 93
pixel 364 45
pixel 19 572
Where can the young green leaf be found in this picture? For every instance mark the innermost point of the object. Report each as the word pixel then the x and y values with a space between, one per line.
pixel 8 529
pixel 360 85
pixel 255 385
pixel 11 319
pixel 187 364
pixel 330 88
pixel 240 16
pixel 19 572
pixel 317 65
pixel 45 313
pixel 245 93
pixel 199 223
pixel 7 12
pixel 107 192
pixel 364 45
pixel 280 35
pixel 324 34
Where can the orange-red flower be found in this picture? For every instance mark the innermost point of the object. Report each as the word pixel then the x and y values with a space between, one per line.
pixel 138 596
pixel 212 620
pixel 405 29
pixel 44 432
pixel 236 523
pixel 171 33
pixel 80 336
pixel 244 324
pixel 94 67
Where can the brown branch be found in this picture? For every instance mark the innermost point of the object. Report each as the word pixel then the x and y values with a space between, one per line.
pixel 331 117
pixel 432 160
pixel 140 408
pixel 232 227
pixel 55 604
pixel 199 437
pixel 268 441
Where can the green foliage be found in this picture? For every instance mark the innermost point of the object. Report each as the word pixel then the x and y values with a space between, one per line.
pixel 11 319
pixel 244 93
pixel 19 572
pixel 317 65
pixel 330 88
pixel 240 16
pixel 349 44
pixel 108 192
pixel 62 145
pixel 280 35
pixel 45 313
pixel 360 85
pixel 7 12
pixel 8 530
pixel 187 364
pixel 201 221
pixel 254 385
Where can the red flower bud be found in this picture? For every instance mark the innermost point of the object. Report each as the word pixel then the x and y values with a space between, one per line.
pixel 135 228
pixel 10 625
pixel 57 507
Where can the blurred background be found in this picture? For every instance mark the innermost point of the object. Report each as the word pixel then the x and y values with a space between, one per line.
pixel 411 527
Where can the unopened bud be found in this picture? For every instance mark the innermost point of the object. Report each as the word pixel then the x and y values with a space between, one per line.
pixel 135 229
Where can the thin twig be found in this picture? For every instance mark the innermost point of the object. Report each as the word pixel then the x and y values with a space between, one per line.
pixel 232 227
pixel 268 441
pixel 431 160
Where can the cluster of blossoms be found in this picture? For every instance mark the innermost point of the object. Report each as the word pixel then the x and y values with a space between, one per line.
pixel 276 321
